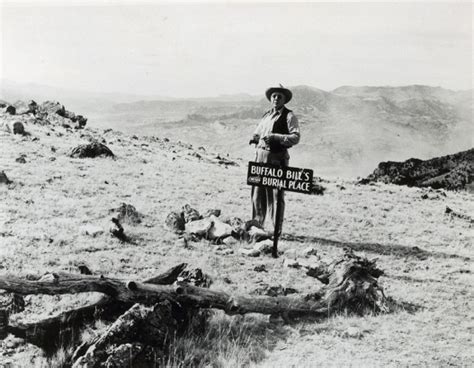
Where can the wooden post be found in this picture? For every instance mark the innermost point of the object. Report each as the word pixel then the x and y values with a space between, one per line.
pixel 278 220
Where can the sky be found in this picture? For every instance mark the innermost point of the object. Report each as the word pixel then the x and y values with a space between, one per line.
pixel 207 49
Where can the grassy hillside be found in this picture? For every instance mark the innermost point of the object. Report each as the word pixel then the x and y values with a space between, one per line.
pixel 427 254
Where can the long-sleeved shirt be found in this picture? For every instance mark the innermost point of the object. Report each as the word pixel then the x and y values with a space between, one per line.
pixel 265 127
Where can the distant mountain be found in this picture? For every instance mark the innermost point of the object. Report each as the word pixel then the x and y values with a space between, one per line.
pixel 79 100
pixel 345 132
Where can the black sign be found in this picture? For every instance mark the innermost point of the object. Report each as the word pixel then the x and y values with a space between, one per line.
pixel 293 179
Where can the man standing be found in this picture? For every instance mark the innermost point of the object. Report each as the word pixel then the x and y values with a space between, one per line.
pixel 277 131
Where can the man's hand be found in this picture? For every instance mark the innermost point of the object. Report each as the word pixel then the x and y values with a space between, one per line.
pixel 255 139
pixel 269 138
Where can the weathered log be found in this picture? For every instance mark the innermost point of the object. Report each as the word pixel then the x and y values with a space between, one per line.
pixel 352 284
pixel 64 329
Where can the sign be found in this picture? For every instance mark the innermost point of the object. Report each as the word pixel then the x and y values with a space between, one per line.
pixel 292 179
pixel 282 178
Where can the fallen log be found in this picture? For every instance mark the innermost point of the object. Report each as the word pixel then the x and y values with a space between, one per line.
pixel 352 286
pixel 352 279
pixel 64 329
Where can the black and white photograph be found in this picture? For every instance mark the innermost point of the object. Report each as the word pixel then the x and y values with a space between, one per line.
pixel 218 184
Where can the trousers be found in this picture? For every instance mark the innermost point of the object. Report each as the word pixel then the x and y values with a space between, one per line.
pixel 264 200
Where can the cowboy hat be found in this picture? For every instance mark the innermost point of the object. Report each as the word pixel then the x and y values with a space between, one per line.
pixel 284 91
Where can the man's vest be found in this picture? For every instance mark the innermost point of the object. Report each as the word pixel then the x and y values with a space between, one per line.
pixel 280 126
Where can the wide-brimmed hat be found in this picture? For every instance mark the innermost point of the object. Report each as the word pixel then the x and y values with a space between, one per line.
pixel 284 91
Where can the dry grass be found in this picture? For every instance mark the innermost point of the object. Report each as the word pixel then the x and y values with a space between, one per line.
pixel 426 254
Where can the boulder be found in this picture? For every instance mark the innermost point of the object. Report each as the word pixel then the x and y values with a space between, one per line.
pixel 190 214
pixel 21 159
pixel 13 127
pixel 18 128
pixel 32 106
pixel 257 234
pixel 199 228
pixel 53 107
pixel 250 252
pixel 21 108
pixel 212 212
pixel 10 110
pixel 127 213
pixel 210 228
pixel 264 247
pixel 292 263
pixel 3 178
pixel 91 150
pixel 175 221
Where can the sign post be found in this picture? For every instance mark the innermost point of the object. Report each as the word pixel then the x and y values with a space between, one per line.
pixel 282 178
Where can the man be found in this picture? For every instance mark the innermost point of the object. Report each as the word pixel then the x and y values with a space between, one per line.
pixel 277 131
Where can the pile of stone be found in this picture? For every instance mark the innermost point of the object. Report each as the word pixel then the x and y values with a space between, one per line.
pixel 211 226
pixel 15 116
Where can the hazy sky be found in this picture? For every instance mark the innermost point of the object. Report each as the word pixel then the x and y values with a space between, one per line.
pixel 206 49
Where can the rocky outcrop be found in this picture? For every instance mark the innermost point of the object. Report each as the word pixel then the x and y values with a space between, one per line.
pixel 16 118
pixel 452 172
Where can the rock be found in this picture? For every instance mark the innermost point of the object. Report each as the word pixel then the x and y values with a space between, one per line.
pixel 10 110
pixel 32 107
pixel 230 241
pixel 81 121
pixel 21 159
pixel 292 263
pixel 18 128
pixel 53 107
pixel 317 188
pixel 260 268
pixel 257 234
pixel 4 179
pixel 227 252
pixel 127 213
pixel 190 214
pixel 209 228
pixel 452 172
pixel 249 252
pixel 199 228
pixel 212 212
pixel 13 127
pixel 84 270
pixel 91 230
pixel 13 342
pixel 91 150
pixel 353 333
pixel 175 221
pixel 310 251
pixel 219 230
pixel 264 247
